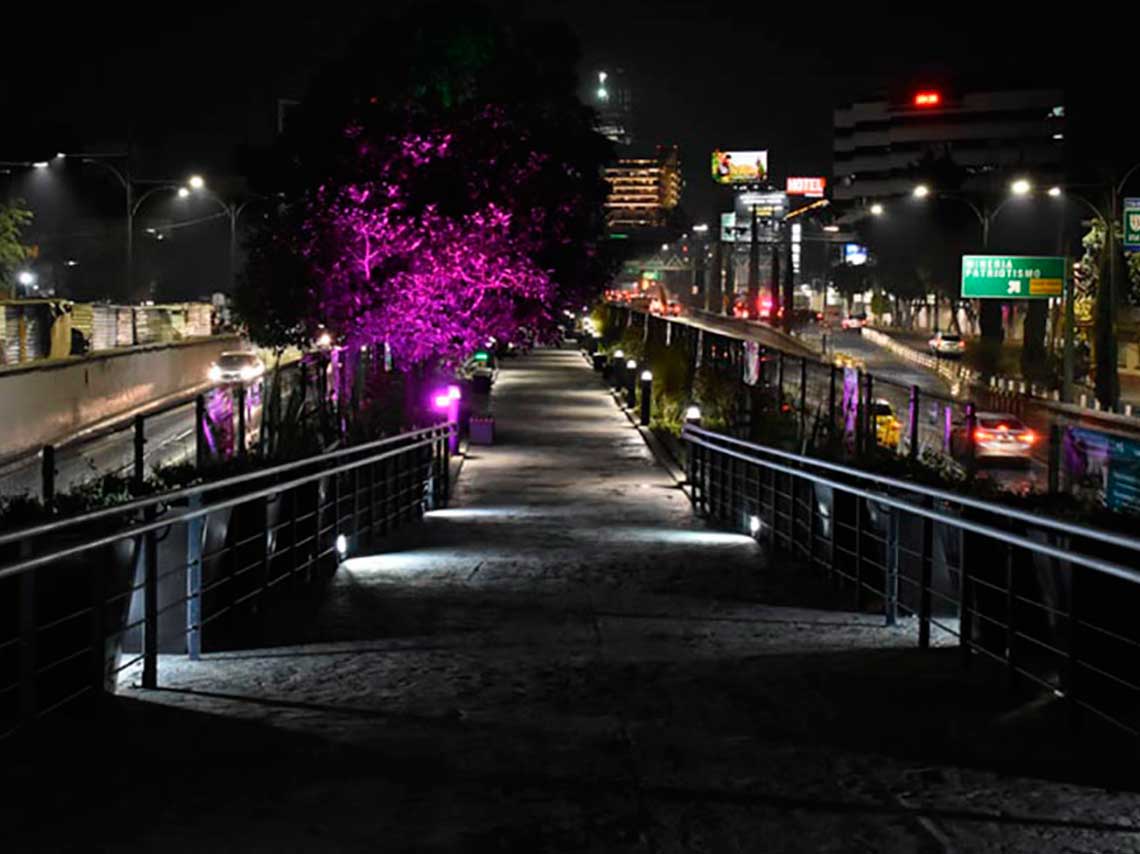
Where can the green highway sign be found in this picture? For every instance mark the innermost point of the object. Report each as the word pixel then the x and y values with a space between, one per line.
pixel 1132 224
pixel 1013 276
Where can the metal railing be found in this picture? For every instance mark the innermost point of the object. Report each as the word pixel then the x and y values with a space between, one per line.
pixel 1052 602
pixel 85 598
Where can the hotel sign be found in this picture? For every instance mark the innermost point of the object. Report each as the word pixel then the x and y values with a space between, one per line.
pixel 1013 276
pixel 812 188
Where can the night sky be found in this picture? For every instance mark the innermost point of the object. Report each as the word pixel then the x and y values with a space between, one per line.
pixel 199 82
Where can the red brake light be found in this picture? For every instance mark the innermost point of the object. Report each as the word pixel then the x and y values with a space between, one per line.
pixel 1028 437
pixel 927 99
pixel 982 435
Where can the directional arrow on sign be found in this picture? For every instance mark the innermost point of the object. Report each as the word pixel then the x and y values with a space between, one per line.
pixel 1014 287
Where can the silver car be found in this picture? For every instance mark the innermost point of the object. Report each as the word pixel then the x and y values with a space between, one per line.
pixel 999 437
pixel 237 366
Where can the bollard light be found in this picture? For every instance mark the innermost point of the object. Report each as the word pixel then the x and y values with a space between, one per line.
pixel 631 364
pixel 754 525
pixel 619 354
pixel 341 545
pixel 646 396
pixel 693 413
pixel 631 383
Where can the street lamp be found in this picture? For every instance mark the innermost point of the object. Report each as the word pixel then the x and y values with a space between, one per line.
pixel 1054 191
pixel 1020 187
pixel 196 182
pixel 877 209
pixel 921 191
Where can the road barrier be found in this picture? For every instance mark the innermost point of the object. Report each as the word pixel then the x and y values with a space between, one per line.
pixel 86 598
pixel 1052 602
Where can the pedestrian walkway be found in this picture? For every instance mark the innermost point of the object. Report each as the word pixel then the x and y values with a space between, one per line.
pixel 565 659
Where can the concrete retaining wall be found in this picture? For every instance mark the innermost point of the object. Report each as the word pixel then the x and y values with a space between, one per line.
pixel 45 403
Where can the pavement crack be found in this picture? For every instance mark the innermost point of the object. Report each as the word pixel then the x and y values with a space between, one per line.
pixel 478 566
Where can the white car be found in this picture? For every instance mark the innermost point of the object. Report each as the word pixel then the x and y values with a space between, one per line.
pixel 854 321
pixel 237 366
pixel 947 345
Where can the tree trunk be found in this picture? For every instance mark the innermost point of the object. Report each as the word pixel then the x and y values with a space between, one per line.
pixel 991 321
pixel 1033 343
pixel 1107 381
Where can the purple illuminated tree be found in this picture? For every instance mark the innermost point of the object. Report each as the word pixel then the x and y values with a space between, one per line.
pixel 435 276
pixel 444 188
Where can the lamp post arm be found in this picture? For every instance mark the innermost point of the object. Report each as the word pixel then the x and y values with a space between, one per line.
pixel 1124 180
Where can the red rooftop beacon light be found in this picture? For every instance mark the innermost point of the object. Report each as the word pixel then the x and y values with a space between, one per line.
pixel 927 99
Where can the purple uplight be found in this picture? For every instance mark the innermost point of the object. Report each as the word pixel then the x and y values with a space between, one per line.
pixel 453 392
pixel 442 401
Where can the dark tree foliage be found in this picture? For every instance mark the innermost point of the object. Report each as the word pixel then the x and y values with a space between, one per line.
pixel 437 70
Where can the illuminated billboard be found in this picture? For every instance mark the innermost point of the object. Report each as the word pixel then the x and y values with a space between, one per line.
pixel 854 254
pixel 739 167
pixel 812 188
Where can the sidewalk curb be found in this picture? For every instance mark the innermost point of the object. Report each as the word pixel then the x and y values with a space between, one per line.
pixel 660 452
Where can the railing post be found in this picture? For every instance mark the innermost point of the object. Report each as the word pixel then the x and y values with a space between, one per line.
pixel 98 640
pixel 264 556
pixel 139 472
pixel 1071 659
pixel 445 450
pixel 772 517
pixel 239 440
pixel 891 588
pixel 1010 606
pixel 858 552
pixel 926 572
pixel 200 432
pixel 870 433
pixel 812 513
pixel 859 412
pixel 793 515
pixel 1054 458
pixel 47 475
pixel 150 602
pixel 803 397
pixel 831 401
pixel 28 645
pixel 780 378
pixel 915 403
pixel 965 612
pixel 195 529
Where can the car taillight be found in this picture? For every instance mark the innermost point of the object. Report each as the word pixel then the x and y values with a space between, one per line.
pixel 1028 437
pixel 983 435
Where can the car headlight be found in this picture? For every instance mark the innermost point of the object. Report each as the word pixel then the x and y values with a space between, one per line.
pixel 250 372
pixel 215 374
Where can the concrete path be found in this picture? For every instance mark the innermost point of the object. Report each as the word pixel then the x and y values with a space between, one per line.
pixel 566 660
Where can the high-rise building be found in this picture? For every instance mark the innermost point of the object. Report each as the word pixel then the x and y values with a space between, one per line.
pixel 643 190
pixel 614 104
pixel 988 134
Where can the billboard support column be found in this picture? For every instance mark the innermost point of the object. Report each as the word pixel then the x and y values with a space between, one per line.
pixel 785 246
pixel 1068 354
pixel 754 265
pixel 713 285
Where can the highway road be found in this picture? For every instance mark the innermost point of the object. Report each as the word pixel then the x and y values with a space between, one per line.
pixel 893 377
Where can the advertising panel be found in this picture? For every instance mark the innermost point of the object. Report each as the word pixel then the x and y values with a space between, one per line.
pixel 766 204
pixel 1013 276
pixel 854 254
pixel 812 188
pixel 728 227
pixel 739 167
